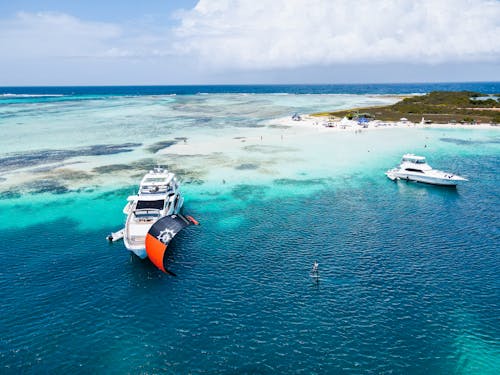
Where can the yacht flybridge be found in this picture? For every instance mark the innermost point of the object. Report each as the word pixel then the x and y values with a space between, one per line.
pixel 158 196
pixel 415 168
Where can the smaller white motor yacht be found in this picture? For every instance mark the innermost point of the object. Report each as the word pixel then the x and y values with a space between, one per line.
pixel 415 168
pixel 159 195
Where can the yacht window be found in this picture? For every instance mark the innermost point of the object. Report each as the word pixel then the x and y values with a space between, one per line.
pixel 416 161
pixel 155 179
pixel 158 205
pixel 146 214
pixel 414 170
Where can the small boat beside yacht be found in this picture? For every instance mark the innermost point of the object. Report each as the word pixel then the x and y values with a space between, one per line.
pixel 158 196
pixel 415 168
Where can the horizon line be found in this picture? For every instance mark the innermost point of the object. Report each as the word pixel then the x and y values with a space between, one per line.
pixel 249 84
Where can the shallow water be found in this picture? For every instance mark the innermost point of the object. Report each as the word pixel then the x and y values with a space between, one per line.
pixel 409 273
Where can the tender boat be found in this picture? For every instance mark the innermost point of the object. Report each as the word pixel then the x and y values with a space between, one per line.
pixel 159 195
pixel 415 168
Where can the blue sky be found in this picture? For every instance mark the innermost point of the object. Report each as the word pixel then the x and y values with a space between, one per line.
pixel 99 10
pixel 49 42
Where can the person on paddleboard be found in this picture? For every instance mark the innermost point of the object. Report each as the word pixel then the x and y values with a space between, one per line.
pixel 314 270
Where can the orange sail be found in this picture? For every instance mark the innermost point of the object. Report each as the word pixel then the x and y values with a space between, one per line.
pixel 159 236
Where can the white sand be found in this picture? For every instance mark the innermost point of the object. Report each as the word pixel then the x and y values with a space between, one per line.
pixel 322 121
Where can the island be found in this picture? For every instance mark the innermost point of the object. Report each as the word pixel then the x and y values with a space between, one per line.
pixel 442 107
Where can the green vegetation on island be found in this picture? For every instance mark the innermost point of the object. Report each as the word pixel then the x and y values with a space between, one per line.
pixel 437 107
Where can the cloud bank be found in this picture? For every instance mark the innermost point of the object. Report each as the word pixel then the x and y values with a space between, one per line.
pixel 59 35
pixel 264 41
pixel 52 34
pixel 270 34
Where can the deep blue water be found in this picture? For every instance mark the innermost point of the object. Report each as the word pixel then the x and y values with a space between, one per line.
pixel 409 285
pixel 410 274
pixel 380 89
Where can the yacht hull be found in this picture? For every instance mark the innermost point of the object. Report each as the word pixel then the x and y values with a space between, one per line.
pixel 415 168
pixel 450 181
pixel 141 253
pixel 158 196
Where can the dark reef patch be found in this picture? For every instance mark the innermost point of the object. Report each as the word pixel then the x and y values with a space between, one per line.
pixel 34 158
pixel 71 175
pixel 203 120
pixel 172 162
pixel 123 192
pixel 247 166
pixel 295 182
pixel 279 127
pixel 246 192
pixel 145 164
pixel 46 185
pixel 84 190
pixel 103 169
pixel 247 124
pixel 50 168
pixel 155 147
pixel 469 142
pixel 193 181
pixel 218 158
pixel 9 194
pixel 268 149
pixel 188 176
pixel 137 176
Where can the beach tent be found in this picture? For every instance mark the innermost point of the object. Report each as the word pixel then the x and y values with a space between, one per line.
pixel 346 122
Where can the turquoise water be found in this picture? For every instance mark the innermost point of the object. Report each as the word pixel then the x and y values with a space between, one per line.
pixel 409 273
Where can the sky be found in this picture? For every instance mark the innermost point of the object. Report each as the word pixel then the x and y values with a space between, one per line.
pixel 171 42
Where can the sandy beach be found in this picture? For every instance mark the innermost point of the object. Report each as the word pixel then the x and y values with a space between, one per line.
pixel 323 121
pixel 286 131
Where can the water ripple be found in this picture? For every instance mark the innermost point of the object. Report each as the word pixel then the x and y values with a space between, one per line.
pixel 408 284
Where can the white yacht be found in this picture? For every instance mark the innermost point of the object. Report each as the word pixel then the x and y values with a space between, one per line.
pixel 159 195
pixel 415 168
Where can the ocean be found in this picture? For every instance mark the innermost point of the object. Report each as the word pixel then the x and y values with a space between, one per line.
pixel 409 273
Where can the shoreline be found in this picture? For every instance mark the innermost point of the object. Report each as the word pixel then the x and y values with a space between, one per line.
pixel 324 122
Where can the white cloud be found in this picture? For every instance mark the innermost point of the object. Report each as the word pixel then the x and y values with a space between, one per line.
pixel 50 34
pixel 59 35
pixel 252 41
pixel 268 34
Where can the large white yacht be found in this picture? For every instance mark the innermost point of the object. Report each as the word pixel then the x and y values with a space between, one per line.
pixel 415 168
pixel 158 196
